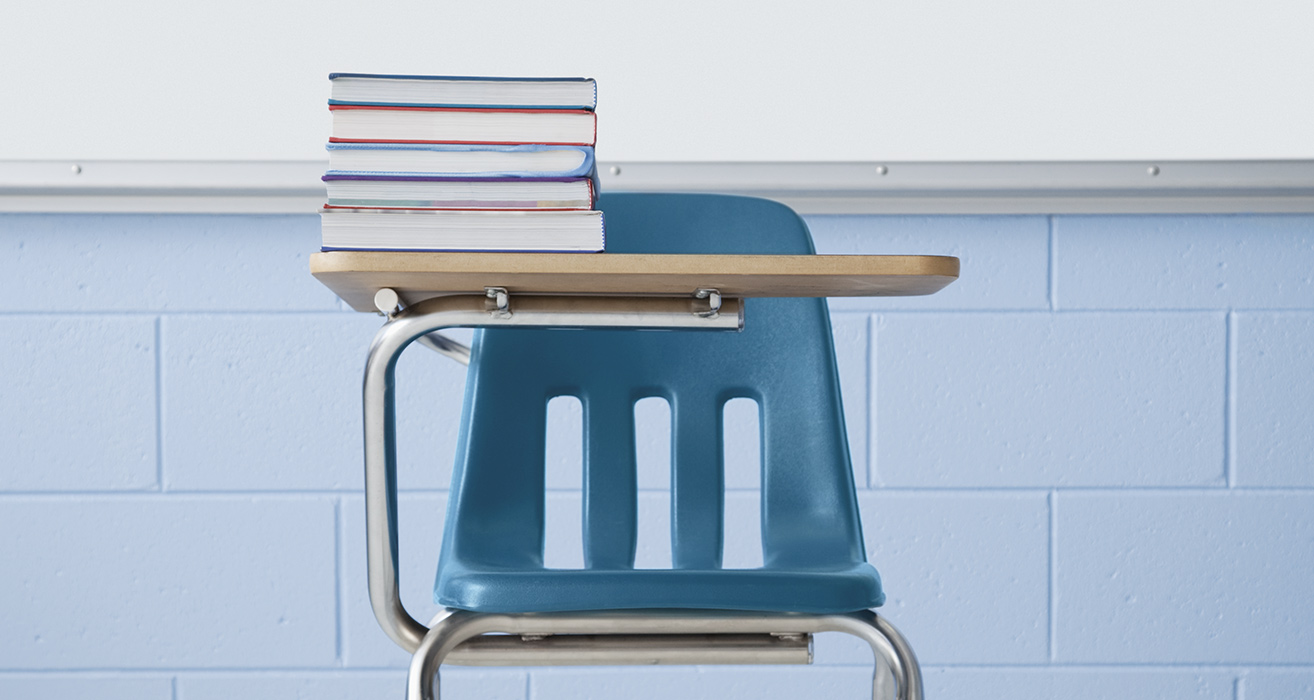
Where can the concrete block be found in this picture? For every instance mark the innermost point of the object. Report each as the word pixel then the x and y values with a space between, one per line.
pixel 966 576
pixel 1198 578
pixel 1277 684
pixel 693 682
pixel 77 403
pixel 159 262
pixel 1274 385
pixel 156 582
pixel 1184 262
pixel 1077 684
pixel 1039 400
pixel 274 402
pixel 1005 259
pixel 84 685
pixel 462 683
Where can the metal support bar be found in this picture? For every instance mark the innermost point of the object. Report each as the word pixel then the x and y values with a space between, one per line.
pixel 445 346
pixel 896 676
pixel 631 649
pixel 469 310
pixel 388 302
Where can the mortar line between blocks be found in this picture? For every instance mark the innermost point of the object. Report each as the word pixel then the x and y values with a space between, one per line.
pixel 870 399
pixel 1237 669
pixel 159 403
pixel 339 575
pixel 1088 311
pixel 1229 401
pixel 113 312
pixel 1053 576
pixel 529 685
pixel 982 491
pixel 259 671
pixel 173 687
pixel 894 491
pixel 1016 309
pixel 1239 688
pixel 1052 279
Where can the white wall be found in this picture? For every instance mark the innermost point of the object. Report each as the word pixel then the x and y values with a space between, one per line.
pixel 680 79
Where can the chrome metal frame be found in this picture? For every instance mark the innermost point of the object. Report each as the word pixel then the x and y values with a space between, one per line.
pixel 631 637
pixel 897 674
pixel 445 346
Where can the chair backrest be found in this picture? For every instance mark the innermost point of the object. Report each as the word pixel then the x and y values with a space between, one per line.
pixel 784 360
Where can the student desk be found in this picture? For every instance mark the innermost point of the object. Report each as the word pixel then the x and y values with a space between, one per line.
pixel 425 292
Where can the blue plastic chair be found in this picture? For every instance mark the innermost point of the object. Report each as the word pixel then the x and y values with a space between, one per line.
pixel 814 567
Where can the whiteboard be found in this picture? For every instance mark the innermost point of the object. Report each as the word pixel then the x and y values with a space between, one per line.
pixel 814 80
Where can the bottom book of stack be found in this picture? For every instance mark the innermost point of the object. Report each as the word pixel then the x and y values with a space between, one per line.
pixel 440 230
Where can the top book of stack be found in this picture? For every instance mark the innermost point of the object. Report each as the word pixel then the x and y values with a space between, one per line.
pixel 458 110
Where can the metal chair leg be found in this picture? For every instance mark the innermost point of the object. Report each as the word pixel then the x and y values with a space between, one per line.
pixel 445 632
pixel 896 664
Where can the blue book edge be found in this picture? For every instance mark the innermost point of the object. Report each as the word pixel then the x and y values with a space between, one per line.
pixel 588 168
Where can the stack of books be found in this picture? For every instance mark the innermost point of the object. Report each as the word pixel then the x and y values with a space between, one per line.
pixel 434 163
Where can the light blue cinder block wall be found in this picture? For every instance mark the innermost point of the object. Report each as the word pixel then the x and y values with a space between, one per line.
pixel 1086 469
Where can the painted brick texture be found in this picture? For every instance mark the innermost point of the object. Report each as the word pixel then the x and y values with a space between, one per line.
pixel 1084 470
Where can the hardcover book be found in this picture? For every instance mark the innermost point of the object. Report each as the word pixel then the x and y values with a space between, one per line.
pixel 370 124
pixel 372 191
pixel 438 230
pixel 460 160
pixel 463 91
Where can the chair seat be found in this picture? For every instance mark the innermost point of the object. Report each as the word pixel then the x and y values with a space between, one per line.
pixel 764 590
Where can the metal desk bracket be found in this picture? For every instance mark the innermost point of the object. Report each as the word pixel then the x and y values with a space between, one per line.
pixel 713 298
pixel 499 302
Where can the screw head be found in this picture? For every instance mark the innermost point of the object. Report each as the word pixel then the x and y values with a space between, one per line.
pixel 77 169
pixel 882 170
pixel 1152 170
pixel 615 170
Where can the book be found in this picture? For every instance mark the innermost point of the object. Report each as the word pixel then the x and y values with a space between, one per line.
pixel 372 191
pixel 446 230
pixel 462 91
pixel 460 160
pixel 369 124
